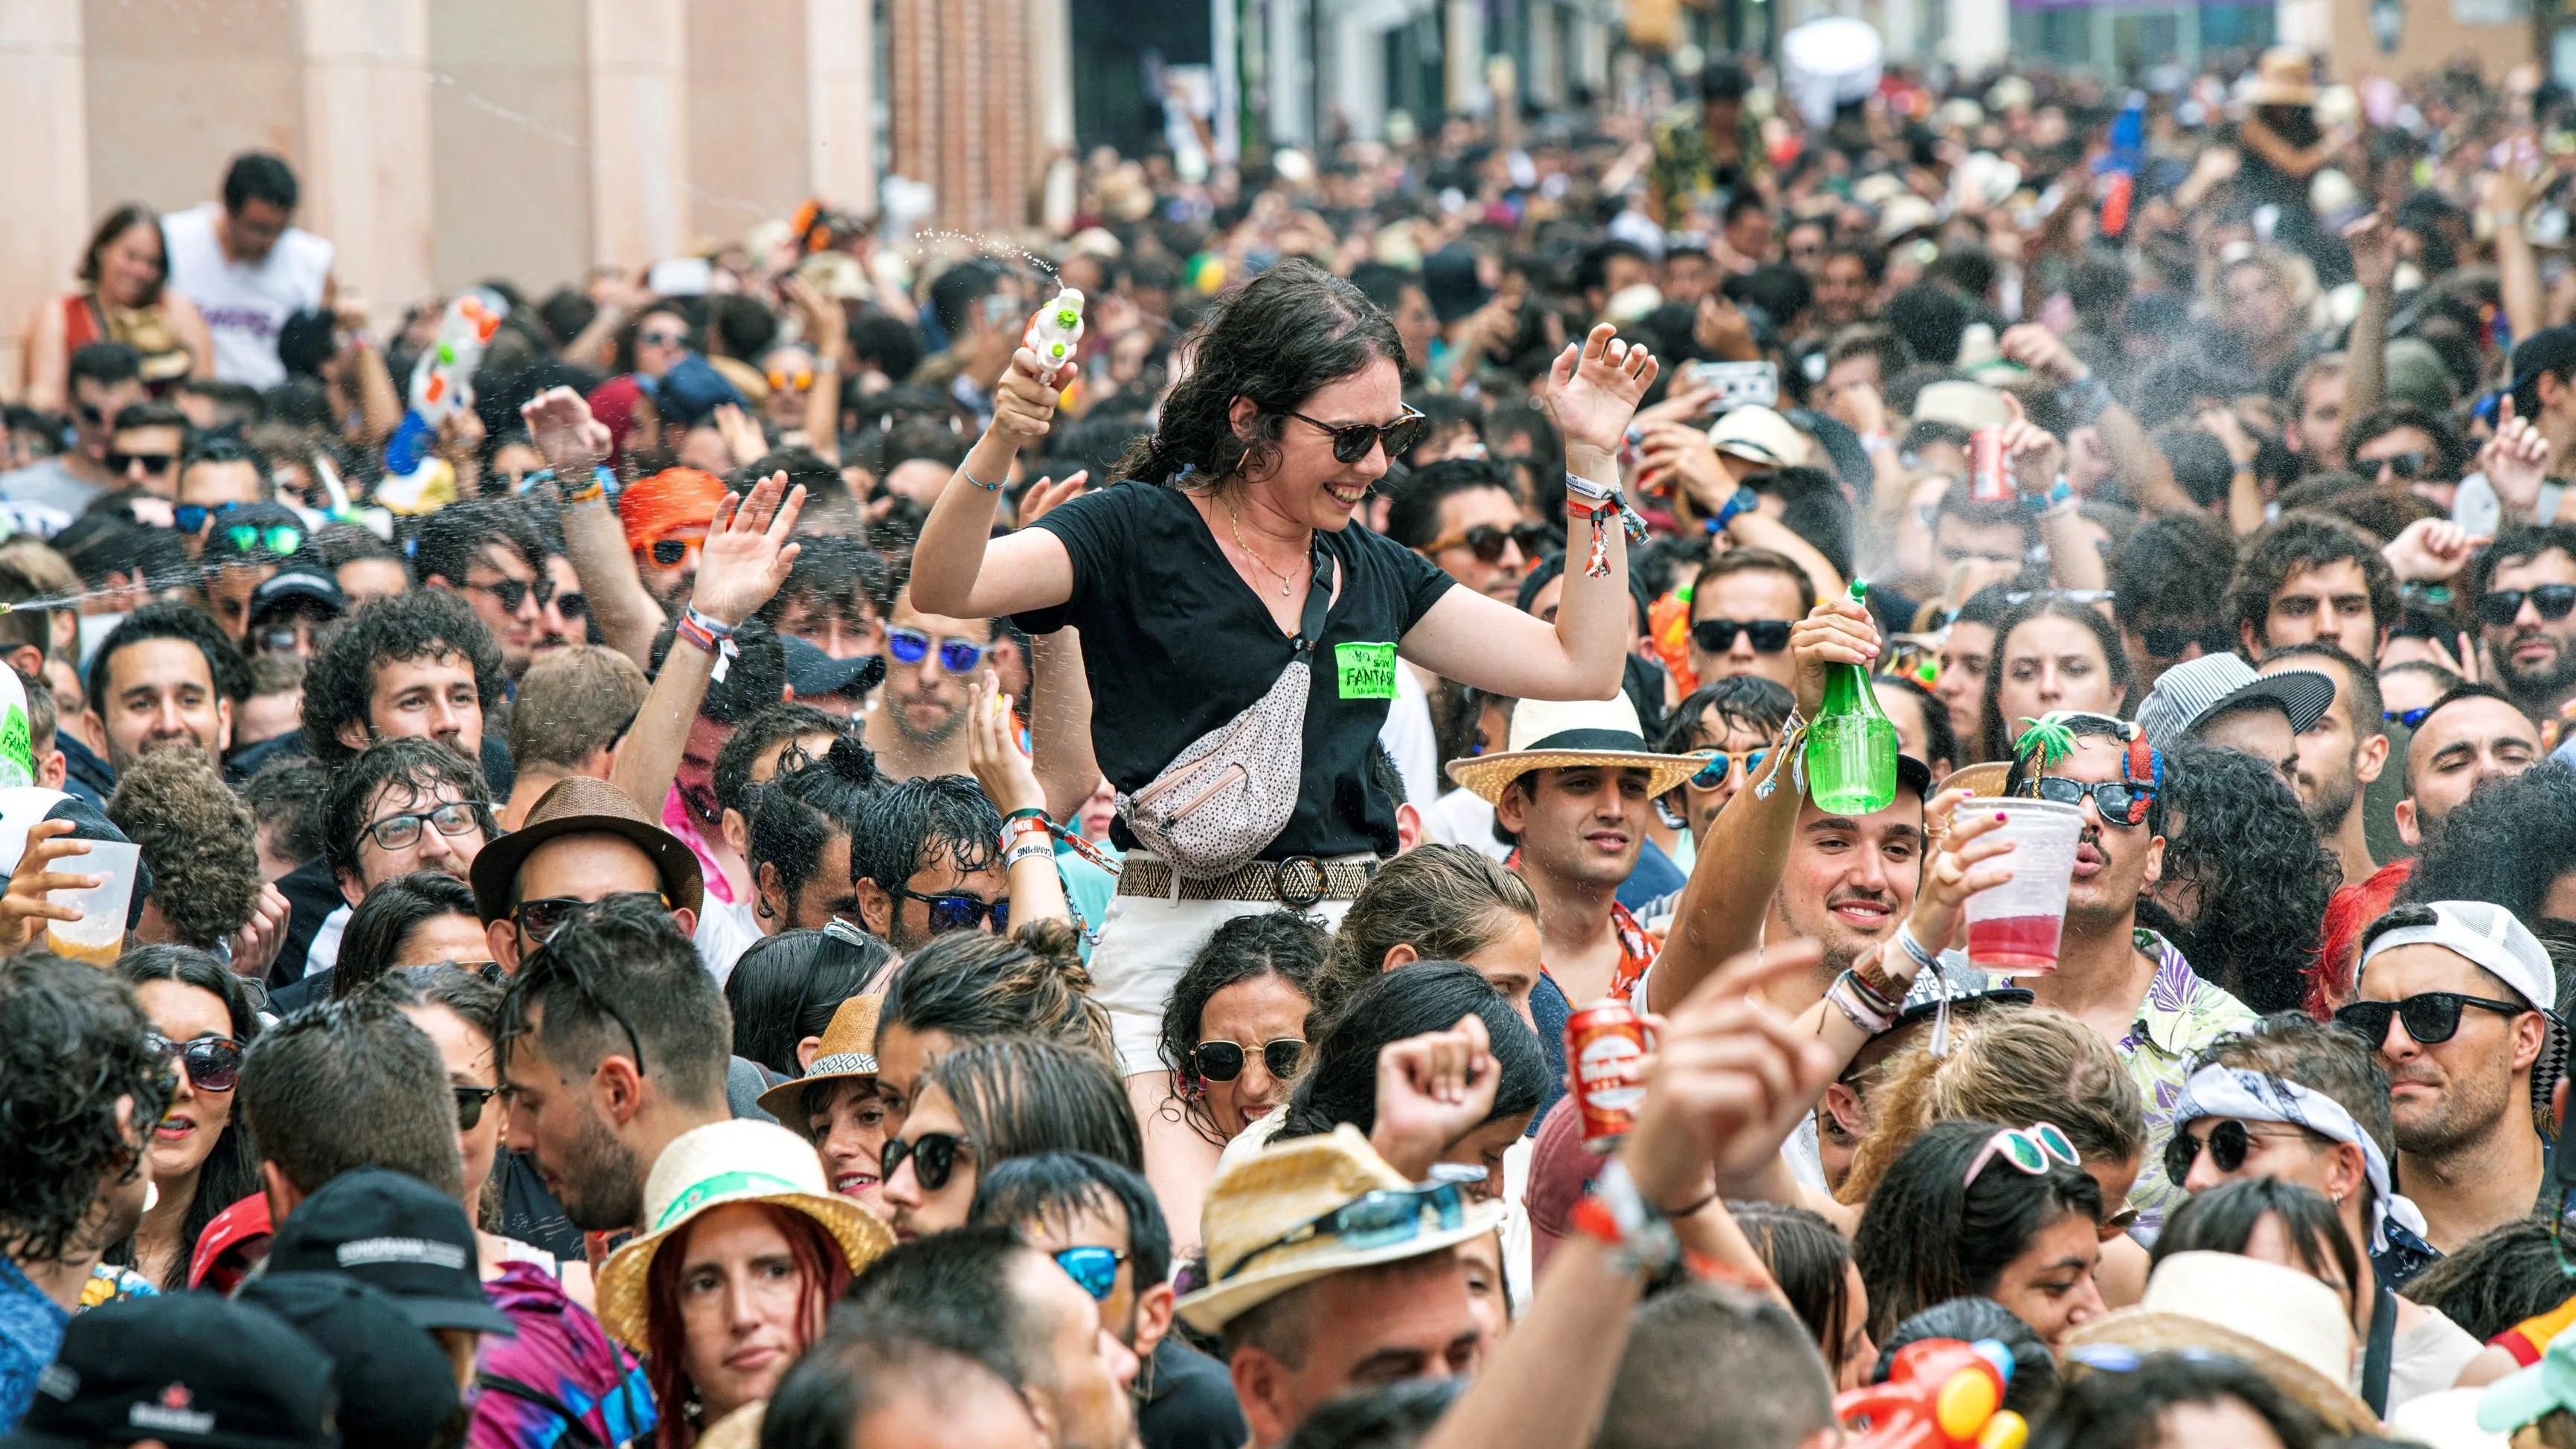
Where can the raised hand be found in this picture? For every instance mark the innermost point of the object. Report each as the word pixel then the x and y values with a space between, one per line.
pixel 1047 494
pixel 1432 1090
pixel 1684 455
pixel 993 749
pixel 1966 863
pixel 561 425
pixel 2373 241
pixel 2430 549
pixel 1730 1079
pixel 1594 388
pixel 2043 352
pixel 2515 460
pixel 27 906
pixel 1837 631
pixel 747 554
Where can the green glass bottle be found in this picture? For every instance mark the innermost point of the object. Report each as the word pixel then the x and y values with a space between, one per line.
pixel 1851 745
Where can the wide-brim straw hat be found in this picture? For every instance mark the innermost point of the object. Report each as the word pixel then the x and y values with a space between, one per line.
pixel 847 1053
pixel 740 1161
pixel 1565 735
pixel 1273 1193
pixel 2282 78
pixel 2282 1323
pixel 1986 778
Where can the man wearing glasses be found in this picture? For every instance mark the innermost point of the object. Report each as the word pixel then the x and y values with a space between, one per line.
pixel 488 554
pixel 1742 607
pixel 931 659
pixel 2456 997
pixel 2525 585
pixel 925 860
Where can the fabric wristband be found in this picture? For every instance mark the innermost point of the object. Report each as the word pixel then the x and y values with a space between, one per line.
pixel 1599 504
pixel 707 634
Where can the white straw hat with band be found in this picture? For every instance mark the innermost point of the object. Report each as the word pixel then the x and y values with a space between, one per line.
pixel 1553 735
pixel 2487 936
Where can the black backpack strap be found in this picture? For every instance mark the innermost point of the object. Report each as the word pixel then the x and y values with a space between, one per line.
pixel 576 1432
pixel 2383 1343
pixel 1310 625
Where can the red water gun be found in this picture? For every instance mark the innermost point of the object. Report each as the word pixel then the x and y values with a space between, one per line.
pixel 1941 1393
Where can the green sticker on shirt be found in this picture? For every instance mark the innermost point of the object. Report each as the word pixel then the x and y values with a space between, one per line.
pixel 1367 670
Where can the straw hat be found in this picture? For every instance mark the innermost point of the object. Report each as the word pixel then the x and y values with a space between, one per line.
pixel 2281 78
pixel 2283 1324
pixel 721 1163
pixel 1553 735
pixel 1981 779
pixel 1258 1201
pixel 1757 434
pixel 848 1053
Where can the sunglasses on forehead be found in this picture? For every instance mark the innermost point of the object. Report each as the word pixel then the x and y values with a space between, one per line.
pixel 1352 441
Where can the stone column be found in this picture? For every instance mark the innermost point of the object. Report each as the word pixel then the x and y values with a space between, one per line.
pixel 841 103
pixel 45 168
pixel 639 179
pixel 366 169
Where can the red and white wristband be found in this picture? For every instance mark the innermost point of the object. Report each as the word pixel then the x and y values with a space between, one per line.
pixel 1599 504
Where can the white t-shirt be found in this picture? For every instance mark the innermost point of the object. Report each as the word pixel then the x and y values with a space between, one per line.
pixel 2426 1357
pixel 1409 738
pixel 245 304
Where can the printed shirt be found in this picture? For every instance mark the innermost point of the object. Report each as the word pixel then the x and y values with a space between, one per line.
pixel 562 1354
pixel 1684 169
pixel 111 1284
pixel 1638 948
pixel 2180 1017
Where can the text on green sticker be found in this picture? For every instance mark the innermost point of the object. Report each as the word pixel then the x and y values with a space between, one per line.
pixel 1367 670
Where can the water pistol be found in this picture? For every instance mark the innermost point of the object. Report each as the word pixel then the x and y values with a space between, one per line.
pixel 1940 1394
pixel 441 380
pixel 1056 332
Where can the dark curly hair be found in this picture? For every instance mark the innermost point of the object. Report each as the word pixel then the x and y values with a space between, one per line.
pixel 731 777
pixel 2507 843
pixel 2239 845
pixel 921 820
pixel 1266 943
pixel 1340 1084
pixel 197 839
pixel 1276 340
pixel 224 662
pixel 2306 540
pixel 421 624
pixel 421 767
pixel 1744 701
pixel 71 1046
pixel 286 797
pixel 231 1169
pixel 805 804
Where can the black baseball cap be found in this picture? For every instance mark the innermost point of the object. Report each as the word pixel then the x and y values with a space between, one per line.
pixel 397 1387
pixel 189 1369
pixel 2551 349
pixel 395 1233
pixel 814 674
pixel 315 592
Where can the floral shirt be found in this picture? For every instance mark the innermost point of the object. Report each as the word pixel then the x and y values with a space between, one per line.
pixel 1686 172
pixel 2180 1017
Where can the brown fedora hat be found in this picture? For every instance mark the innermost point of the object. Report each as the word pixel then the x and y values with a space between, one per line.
pixel 581 805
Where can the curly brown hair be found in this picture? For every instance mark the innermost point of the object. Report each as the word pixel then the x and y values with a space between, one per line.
pixel 197 839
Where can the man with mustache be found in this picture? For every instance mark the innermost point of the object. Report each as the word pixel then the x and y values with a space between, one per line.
pixel 2525 585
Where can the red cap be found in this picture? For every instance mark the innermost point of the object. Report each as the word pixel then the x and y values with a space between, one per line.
pixel 240 1226
pixel 1561 1172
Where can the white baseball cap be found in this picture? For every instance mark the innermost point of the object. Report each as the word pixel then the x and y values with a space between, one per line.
pixel 2486 935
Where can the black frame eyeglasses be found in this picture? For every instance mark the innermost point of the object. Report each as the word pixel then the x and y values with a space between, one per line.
pixel 1352 441
pixel 396 832
pixel 2431 1017
pixel 2553 602
pixel 933 1154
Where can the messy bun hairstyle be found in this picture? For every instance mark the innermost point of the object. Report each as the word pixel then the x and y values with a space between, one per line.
pixel 973 985
pixel 1277 340
pixel 798 810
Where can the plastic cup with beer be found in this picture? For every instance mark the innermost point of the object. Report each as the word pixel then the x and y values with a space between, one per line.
pixel 98 937
pixel 2013 928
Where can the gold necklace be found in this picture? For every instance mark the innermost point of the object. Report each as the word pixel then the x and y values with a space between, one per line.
pixel 1235 523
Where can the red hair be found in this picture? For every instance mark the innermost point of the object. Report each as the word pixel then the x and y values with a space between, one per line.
pixel 2348 914
pixel 824 1271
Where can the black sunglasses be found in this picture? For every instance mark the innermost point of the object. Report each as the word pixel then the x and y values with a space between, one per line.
pixel 958 911
pixel 544 916
pixel 1352 441
pixel 2228 1142
pixel 1487 542
pixel 2120 803
pixel 469 1105
pixel 572 604
pixel 2407 467
pixel 2551 601
pixel 2167 641
pixel 1716 636
pixel 933 1154
pixel 1223 1061
pixel 213 1063
pixel 669 552
pixel 512 593
pixel 153 463
pixel 2431 1017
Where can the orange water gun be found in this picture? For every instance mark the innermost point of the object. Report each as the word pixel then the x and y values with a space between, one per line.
pixel 1941 1393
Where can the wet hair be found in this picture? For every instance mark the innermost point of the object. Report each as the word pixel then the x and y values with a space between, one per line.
pixel 2034 1379
pixel 420 767
pixel 573 703
pixel 2048 605
pixel 2028 1065
pixel 1016 1095
pixel 916 823
pixel 1807 1258
pixel 2163 572
pixel 1925 1238
pixel 224 663
pixel 805 804
pixel 786 987
pixel 2238 839
pixel 761 731
pixel 1276 341
pixel 837 572
pixel 1341 1084
pixel 2495 1280
pixel 422 624
pixel 1744 701
pixel 231 1168
pixel 626 967
pixel 1682 1343
pixel 286 796
pixel 350 1084
pixel 198 839
pixel 1265 943
pixel 1041 1185
pixel 451 541
pixel 1397 1415
pixel 1447 902
pixel 972 985
pixel 2126 1410
pixel 2306 540
pixel 380 924
pixel 71 1046
pixel 2223 1219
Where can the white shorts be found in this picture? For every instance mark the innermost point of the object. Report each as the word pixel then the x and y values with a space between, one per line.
pixel 1145 943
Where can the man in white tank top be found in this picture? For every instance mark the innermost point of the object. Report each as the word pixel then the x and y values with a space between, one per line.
pixel 247 267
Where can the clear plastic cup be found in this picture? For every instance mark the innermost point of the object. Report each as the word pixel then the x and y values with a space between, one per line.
pixel 98 937
pixel 2013 928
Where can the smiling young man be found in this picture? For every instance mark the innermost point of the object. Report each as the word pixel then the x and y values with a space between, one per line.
pixel 166 676
pixel 419 663
pixel 1574 793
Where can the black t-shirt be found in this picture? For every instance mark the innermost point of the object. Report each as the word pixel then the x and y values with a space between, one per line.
pixel 1175 645
pixel 1188 1401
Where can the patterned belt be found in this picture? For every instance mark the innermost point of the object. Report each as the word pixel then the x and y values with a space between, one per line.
pixel 1297 882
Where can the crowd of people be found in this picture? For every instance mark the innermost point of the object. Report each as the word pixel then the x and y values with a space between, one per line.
pixel 802 873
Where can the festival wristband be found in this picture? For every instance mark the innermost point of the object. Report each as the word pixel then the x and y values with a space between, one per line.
pixel 2059 495
pixel 1618 1217
pixel 1600 504
pixel 1043 850
pixel 602 484
pixel 707 634
pixel 1744 501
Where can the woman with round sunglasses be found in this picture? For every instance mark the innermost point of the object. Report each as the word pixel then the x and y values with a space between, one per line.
pixel 1193 588
pixel 1979 1209
pixel 1234 1032
pixel 201 1160
pixel 993 1101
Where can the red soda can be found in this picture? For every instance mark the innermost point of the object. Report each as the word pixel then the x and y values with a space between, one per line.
pixel 1605 1041
pixel 1986 481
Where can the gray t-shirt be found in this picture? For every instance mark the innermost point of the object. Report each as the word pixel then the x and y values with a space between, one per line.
pixel 48 482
